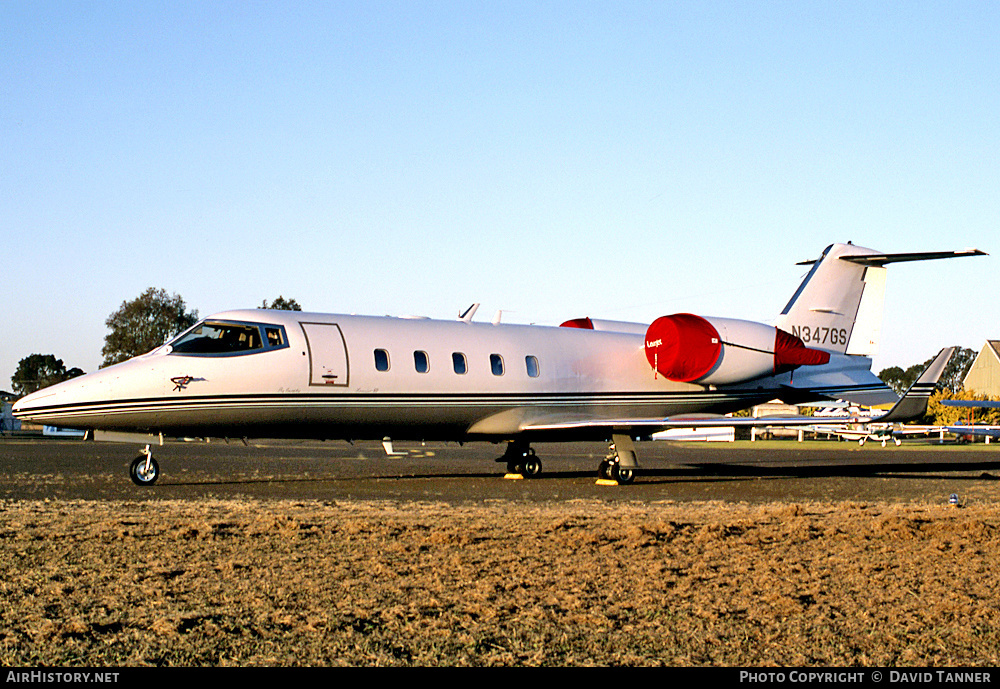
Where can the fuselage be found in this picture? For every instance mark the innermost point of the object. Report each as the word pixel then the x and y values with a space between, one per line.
pixel 258 373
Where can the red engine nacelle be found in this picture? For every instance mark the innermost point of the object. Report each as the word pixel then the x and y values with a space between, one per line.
pixel 688 348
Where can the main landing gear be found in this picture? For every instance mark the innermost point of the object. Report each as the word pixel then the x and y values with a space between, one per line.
pixel 618 468
pixel 144 470
pixel 611 471
pixel 521 460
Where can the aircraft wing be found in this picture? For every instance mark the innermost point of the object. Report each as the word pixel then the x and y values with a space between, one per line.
pixel 992 431
pixel 654 425
pixel 917 430
pixel 912 405
pixel 973 429
pixel 972 404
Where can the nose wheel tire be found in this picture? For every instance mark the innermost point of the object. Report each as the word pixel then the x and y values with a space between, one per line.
pixel 144 471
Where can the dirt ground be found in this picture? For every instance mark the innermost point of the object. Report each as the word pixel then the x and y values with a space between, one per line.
pixel 571 583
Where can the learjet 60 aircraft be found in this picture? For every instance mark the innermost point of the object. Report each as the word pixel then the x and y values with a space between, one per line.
pixel 288 374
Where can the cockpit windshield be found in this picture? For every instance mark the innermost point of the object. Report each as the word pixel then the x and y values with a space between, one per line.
pixel 221 338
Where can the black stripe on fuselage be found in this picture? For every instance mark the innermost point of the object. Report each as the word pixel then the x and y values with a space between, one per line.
pixel 674 402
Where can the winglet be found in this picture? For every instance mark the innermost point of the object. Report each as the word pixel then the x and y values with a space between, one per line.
pixel 913 404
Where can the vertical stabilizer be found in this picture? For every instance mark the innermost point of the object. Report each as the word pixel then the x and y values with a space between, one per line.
pixel 838 307
pixel 824 309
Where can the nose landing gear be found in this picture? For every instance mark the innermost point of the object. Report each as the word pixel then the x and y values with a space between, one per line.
pixel 144 470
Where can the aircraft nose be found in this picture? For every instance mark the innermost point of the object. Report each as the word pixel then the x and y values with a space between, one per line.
pixel 38 402
pixel 26 404
pixel 23 404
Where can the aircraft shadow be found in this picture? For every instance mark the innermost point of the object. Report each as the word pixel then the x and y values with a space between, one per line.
pixel 723 471
pixel 686 473
pixel 315 479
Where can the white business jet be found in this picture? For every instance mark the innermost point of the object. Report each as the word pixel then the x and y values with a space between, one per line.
pixel 288 374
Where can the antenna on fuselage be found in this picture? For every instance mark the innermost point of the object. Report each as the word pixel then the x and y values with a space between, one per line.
pixel 466 316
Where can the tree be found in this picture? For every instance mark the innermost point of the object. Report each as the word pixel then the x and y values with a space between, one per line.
pixel 951 379
pixel 40 371
pixel 144 324
pixel 898 379
pixel 281 304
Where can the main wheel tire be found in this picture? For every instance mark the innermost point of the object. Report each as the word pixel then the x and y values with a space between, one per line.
pixel 623 475
pixel 532 466
pixel 604 470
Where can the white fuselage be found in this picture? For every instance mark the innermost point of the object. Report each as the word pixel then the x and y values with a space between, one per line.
pixel 441 380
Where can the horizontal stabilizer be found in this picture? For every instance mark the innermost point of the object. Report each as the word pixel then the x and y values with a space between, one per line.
pixel 843 379
pixel 885 259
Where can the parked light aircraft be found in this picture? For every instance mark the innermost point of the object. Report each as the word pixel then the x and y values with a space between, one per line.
pixel 970 429
pixel 857 425
pixel 259 373
pixel 882 432
pixel 966 432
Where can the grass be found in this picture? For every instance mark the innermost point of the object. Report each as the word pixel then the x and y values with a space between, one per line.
pixel 505 584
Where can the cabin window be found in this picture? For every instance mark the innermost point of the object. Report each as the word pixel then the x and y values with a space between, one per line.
pixel 381 360
pixel 531 363
pixel 460 364
pixel 496 364
pixel 421 362
pixel 220 338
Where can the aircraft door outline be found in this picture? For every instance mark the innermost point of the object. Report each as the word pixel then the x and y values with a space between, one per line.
pixel 328 362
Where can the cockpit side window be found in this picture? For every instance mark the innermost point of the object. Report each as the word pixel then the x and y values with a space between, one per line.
pixel 275 336
pixel 220 338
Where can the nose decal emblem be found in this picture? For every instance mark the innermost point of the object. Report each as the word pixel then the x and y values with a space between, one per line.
pixel 181 382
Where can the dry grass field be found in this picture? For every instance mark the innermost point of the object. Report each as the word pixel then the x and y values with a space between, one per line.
pixel 577 583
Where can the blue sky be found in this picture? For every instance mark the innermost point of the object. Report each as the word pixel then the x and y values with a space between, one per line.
pixel 622 160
